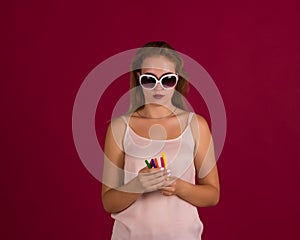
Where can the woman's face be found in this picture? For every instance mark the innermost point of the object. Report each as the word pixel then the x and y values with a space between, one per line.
pixel 158 66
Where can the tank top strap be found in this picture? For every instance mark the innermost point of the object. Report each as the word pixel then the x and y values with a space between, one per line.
pixel 125 119
pixel 191 114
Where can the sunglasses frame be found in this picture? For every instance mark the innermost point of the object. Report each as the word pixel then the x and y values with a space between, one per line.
pixel 158 80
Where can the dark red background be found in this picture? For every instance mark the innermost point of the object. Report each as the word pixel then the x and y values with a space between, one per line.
pixel 250 48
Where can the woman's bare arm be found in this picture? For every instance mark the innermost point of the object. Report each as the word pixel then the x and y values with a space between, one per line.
pixel 207 190
pixel 115 199
pixel 117 196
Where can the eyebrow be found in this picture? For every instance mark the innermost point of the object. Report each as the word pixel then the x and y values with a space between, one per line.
pixel 149 73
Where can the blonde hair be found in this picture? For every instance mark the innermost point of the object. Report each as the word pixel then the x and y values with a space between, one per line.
pixel 152 49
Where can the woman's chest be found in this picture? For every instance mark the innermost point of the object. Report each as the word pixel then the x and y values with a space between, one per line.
pixel 158 130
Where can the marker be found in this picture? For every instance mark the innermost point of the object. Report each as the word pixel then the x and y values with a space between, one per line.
pixel 148 164
pixel 153 163
pixel 156 162
pixel 164 158
pixel 162 162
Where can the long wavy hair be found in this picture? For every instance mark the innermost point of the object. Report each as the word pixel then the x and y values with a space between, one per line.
pixel 153 49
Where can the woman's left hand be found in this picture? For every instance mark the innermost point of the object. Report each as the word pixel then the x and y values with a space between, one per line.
pixel 172 187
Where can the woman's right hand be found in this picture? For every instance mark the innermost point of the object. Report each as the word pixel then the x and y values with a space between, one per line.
pixel 152 179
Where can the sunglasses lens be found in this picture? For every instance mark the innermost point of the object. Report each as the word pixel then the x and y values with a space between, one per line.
pixel 169 81
pixel 148 81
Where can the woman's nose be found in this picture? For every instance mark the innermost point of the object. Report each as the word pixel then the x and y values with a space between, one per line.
pixel 159 86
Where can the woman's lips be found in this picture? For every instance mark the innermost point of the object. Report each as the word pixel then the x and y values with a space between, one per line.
pixel 158 96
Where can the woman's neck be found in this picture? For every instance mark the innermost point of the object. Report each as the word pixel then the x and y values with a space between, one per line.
pixel 155 111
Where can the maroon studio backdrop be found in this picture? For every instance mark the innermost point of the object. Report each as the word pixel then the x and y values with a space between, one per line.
pixel 251 50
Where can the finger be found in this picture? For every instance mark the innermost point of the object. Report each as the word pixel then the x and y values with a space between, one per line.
pixel 154 187
pixel 168 189
pixel 167 193
pixel 155 181
pixel 171 181
pixel 147 170
pixel 152 175
pixel 170 184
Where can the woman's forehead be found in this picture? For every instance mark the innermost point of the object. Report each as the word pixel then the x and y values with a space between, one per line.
pixel 159 63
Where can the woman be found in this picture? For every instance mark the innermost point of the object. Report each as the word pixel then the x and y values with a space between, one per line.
pixel 158 203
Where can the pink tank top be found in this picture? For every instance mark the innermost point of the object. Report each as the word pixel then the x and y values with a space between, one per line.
pixel 153 215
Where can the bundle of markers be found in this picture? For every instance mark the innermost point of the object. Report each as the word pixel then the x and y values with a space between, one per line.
pixel 155 164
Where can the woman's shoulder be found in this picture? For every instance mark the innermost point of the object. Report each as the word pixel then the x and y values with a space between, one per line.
pixel 116 130
pixel 118 122
pixel 197 121
pixel 200 119
pixel 195 117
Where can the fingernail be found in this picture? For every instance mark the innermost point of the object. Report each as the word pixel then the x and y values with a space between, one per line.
pixel 169 174
pixel 169 170
pixel 162 168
